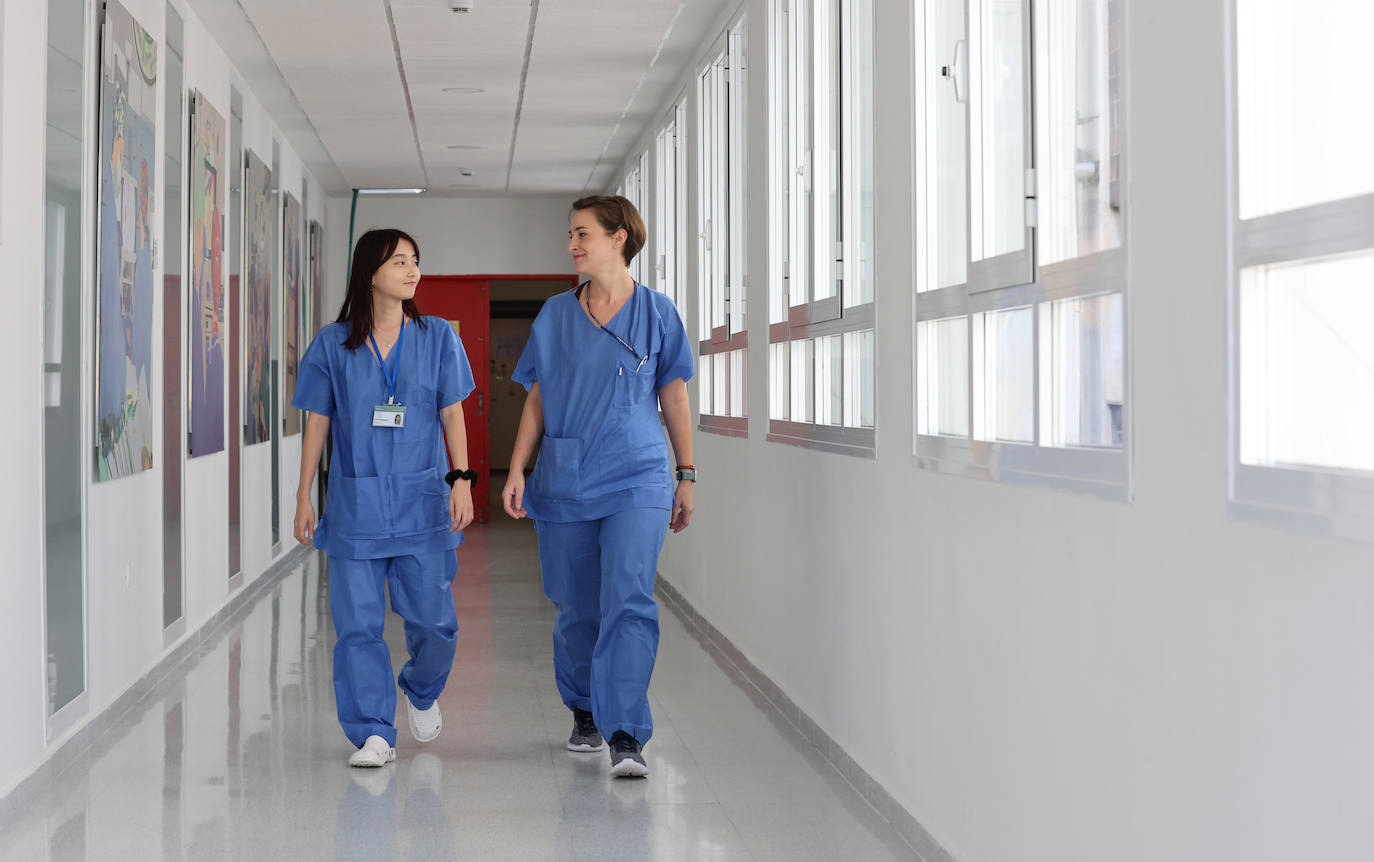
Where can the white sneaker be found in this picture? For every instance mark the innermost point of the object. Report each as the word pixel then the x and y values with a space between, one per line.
pixel 425 724
pixel 375 752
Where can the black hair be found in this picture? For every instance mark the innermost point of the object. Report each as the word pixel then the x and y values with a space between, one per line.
pixel 374 248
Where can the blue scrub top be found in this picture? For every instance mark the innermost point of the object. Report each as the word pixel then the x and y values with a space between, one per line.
pixel 387 496
pixel 603 449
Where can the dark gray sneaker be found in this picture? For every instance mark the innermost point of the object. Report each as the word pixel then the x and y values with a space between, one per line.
pixel 626 761
pixel 585 736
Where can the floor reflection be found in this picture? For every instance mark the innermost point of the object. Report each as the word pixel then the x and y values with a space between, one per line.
pixel 236 754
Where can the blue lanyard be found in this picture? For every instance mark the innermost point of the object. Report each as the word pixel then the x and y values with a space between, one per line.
pixel 386 372
pixel 599 325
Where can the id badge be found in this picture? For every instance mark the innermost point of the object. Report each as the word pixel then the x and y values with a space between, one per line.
pixel 388 416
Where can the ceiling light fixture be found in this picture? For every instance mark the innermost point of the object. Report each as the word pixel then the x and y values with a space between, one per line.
pixel 464 91
pixel 463 147
pixel 390 191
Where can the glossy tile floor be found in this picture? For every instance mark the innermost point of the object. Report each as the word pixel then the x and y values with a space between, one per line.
pixel 236 755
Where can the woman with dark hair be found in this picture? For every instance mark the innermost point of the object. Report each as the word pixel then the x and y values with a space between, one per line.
pixel 600 363
pixel 385 381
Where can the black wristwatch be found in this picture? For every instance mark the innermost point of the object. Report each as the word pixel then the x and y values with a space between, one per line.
pixel 688 475
pixel 455 475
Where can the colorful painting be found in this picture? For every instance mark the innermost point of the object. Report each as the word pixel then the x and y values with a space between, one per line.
pixel 207 278
pixel 291 308
pixel 257 300
pixel 128 166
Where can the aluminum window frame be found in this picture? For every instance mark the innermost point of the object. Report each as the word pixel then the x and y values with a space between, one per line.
pixel 811 73
pixel 1101 472
pixel 722 231
pixel 1327 501
pixel 670 206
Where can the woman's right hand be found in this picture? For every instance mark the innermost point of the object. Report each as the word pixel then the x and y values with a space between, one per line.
pixel 305 521
pixel 514 494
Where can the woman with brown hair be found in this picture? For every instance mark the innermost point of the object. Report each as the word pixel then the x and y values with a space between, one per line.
pixel 601 362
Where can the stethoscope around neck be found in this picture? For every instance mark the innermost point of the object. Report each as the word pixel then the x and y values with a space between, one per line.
pixel 601 326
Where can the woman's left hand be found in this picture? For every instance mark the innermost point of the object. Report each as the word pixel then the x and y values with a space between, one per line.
pixel 460 504
pixel 682 506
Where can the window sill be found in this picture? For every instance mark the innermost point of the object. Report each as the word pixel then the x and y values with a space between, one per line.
pixel 726 426
pixel 859 442
pixel 1325 502
pixel 1101 473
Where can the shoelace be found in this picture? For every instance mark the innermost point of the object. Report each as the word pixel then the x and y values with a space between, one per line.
pixel 586 726
pixel 623 742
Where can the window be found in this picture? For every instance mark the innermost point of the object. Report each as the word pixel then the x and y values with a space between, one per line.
pixel 1020 311
pixel 724 337
pixel 670 206
pixel 820 202
pixel 633 190
pixel 1304 267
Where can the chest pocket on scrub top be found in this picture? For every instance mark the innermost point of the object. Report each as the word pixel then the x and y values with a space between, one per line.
pixel 420 399
pixel 633 382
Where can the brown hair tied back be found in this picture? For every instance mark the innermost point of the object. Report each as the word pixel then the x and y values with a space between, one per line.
pixel 615 212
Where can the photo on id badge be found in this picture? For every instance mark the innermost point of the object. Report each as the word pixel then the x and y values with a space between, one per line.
pixel 389 416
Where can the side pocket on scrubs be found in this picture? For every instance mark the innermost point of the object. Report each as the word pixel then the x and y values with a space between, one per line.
pixel 355 506
pixel 559 468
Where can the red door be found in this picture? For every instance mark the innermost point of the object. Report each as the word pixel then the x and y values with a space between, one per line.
pixel 466 302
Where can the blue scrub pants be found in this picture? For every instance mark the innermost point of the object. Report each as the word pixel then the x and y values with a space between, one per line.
pixel 421 593
pixel 600 577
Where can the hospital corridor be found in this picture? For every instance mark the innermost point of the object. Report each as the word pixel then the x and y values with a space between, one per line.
pixel 687 430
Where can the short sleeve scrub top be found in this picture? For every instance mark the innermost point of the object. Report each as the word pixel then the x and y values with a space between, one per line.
pixel 387 496
pixel 603 449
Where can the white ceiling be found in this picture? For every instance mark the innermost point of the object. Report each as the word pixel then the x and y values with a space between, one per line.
pixel 598 72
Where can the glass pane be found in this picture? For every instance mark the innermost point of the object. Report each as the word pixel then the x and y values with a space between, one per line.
pixel 942 377
pixel 778 163
pixel 1307 363
pixel 825 148
pixel 237 426
pixel 739 364
pixel 1303 70
pixel 705 377
pixel 829 381
pixel 858 384
pixel 274 398
pixel 64 457
pixel 1004 374
pixel 172 436
pixel 997 74
pixel 944 153
pixel 858 152
pixel 735 181
pixel 721 389
pixel 720 192
pixel 1077 86
pixel 803 396
pixel 799 146
pixel 778 385
pixel 1082 368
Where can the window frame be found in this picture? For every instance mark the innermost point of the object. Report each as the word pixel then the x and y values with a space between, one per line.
pixel 1328 501
pixel 722 232
pixel 670 206
pixel 1102 472
pixel 800 32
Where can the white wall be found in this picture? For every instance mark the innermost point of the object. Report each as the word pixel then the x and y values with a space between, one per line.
pixel 1037 675
pixel 124 577
pixel 472 236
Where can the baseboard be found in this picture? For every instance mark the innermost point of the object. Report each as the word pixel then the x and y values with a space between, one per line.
pixel 76 746
pixel 922 843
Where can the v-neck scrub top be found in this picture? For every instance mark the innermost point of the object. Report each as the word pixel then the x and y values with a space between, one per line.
pixel 387 496
pixel 603 449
